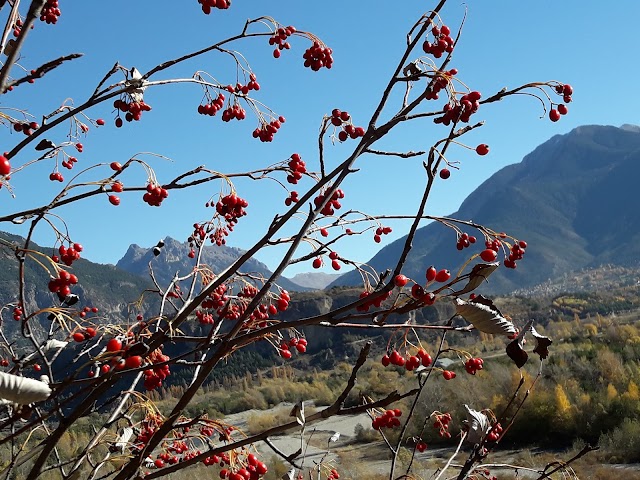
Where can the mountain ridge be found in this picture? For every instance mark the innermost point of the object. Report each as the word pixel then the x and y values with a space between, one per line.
pixel 552 199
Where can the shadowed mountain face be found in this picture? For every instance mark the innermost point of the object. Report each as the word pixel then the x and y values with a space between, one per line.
pixel 573 199
pixel 174 259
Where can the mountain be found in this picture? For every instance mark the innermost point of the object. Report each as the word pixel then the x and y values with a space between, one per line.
pixel 113 291
pixel 173 258
pixel 314 280
pixel 572 199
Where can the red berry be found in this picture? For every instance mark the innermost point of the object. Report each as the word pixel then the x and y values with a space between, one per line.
pixel 400 280
pixel 114 345
pixel 79 337
pixel 482 149
pixel 562 109
pixel 115 166
pixel 554 115
pixel 431 273
pixel 5 166
pixel 445 173
pixel 488 255
pixel 114 200
pixel 443 276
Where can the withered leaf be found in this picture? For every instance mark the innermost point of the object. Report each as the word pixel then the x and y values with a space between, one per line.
pixel 542 344
pixel 45 145
pixel 484 315
pixel 479 274
pixel 517 353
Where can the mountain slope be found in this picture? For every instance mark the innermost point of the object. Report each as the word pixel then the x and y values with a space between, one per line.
pixel 174 259
pixel 572 199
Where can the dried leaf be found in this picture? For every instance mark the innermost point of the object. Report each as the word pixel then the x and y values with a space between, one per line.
pixel 484 315
pixel 542 344
pixel 122 441
pixel 515 350
pixel 298 412
pixel 22 390
pixel 45 145
pixel 479 425
pixel 479 274
pixel 517 353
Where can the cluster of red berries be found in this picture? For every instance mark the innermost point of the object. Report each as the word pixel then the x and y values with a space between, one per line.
pixel 442 42
pixel 411 362
pixel 448 374
pixel 300 344
pixel 243 473
pixel 85 310
pixel 556 113
pixel 231 207
pixel 292 198
pixel 298 169
pixel 245 89
pixel 211 108
pixel 389 419
pixel 442 424
pixel 84 334
pixel 279 39
pixel 154 376
pixel 333 204
pixel 50 12
pixel 343 120
pixel 318 56
pixel 283 300
pixel 69 162
pixel 334 257
pixel 56 176
pixel 495 432
pixel 204 318
pixel 221 459
pixel 516 253
pixel 333 475
pixel 566 91
pixel 377 235
pixel 154 195
pixel 17 27
pixel 266 131
pixel 439 276
pixel 234 111
pixel 62 284
pixel 372 300
pixel 438 83
pixel 207 5
pixel 26 127
pixel 460 111
pixel 68 255
pixel 465 240
pixel 216 299
pixel 473 365
pixel 132 110
pixel 17 314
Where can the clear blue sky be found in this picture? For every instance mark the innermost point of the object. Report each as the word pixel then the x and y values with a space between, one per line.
pixel 504 43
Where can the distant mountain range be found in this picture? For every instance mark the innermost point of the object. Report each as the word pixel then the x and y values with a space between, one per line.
pixel 573 199
pixel 173 259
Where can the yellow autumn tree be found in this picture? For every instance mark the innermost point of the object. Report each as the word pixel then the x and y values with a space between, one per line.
pixel 632 393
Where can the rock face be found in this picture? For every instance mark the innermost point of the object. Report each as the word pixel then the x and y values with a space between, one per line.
pixel 572 199
pixel 173 259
